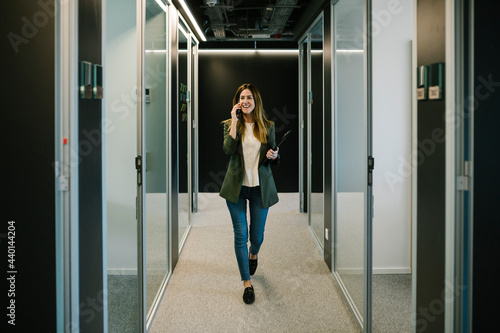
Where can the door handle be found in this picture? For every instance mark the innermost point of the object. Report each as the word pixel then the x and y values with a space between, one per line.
pixel 138 167
pixel 371 166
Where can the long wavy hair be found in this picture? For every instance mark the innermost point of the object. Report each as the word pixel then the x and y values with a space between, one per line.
pixel 262 124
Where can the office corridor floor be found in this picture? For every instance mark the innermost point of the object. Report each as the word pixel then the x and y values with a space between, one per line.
pixel 295 291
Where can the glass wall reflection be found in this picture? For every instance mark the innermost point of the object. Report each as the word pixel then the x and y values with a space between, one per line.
pixel 155 136
pixel 120 109
pixel 184 117
pixel 316 128
pixel 350 150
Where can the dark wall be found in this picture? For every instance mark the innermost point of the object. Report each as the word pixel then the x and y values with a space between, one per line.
pixel 27 118
pixel 431 175
pixel 486 249
pixel 276 76
pixel 90 176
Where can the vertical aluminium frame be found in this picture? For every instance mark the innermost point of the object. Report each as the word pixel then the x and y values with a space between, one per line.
pixel 369 191
pixel 414 167
pixel 66 166
pixel 141 151
pixel 453 152
pixel 459 157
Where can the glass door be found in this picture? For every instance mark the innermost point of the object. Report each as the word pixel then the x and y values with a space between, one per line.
pixel 154 136
pixel 193 106
pixel 312 130
pixel 303 107
pixel 184 121
pixel 352 217
pixel 315 128
pixel 121 146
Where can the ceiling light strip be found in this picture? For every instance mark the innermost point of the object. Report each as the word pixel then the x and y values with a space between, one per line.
pixel 245 51
pixel 193 21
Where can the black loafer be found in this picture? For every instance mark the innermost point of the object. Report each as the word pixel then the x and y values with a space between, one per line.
pixel 249 295
pixel 252 264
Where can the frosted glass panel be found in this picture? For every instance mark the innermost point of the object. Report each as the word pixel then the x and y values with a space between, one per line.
pixel 155 159
pixel 350 150
pixel 316 147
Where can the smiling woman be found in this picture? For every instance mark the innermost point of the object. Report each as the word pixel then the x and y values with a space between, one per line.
pixel 249 141
pixel 277 79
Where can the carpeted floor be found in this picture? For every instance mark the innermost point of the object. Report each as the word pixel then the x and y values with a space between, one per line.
pixel 295 292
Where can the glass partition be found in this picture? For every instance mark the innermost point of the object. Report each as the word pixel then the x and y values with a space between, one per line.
pixel 350 153
pixel 120 112
pixel 193 106
pixel 303 112
pixel 184 118
pixel 316 132
pixel 155 159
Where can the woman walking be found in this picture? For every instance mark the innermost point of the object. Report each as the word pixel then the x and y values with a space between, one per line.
pixel 249 139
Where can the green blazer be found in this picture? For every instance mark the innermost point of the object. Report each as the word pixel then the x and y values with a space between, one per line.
pixel 233 180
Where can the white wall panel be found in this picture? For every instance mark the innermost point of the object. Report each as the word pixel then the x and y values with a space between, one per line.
pixel 392 135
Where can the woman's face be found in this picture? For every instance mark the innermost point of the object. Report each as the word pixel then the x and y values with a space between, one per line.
pixel 247 102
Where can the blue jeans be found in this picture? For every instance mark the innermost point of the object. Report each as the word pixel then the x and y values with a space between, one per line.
pixel 258 216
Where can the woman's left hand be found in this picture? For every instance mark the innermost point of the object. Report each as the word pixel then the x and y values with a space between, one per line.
pixel 272 154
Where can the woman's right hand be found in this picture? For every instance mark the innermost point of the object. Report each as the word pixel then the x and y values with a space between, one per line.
pixel 234 117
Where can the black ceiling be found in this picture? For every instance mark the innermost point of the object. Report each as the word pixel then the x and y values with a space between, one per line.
pixel 238 22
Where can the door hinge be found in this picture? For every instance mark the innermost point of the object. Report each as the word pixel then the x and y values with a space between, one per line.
pixel 463 181
pixel 63 183
pixel 468 168
pixel 138 167
pixel 371 166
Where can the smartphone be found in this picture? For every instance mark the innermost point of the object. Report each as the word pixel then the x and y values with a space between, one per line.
pixel 239 113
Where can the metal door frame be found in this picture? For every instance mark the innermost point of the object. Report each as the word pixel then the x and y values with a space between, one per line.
pixel 365 320
pixel 306 94
pixel 66 166
pixel 459 166
pixel 188 34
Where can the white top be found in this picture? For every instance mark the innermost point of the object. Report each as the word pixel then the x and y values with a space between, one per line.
pixel 251 147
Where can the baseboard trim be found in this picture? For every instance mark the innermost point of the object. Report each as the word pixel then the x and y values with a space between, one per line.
pixel 122 271
pixel 375 271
